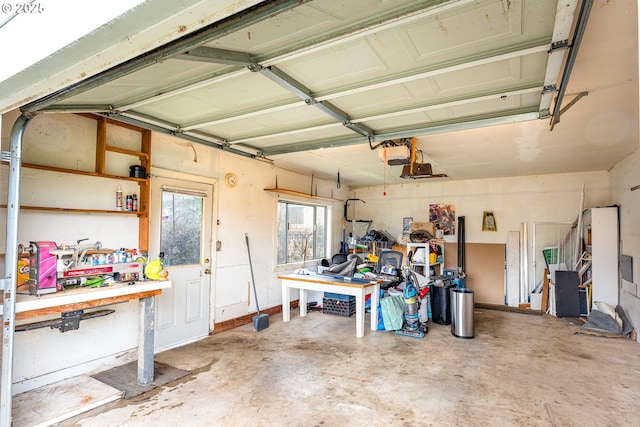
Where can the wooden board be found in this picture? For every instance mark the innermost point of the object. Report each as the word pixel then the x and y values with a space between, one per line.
pixel 513 269
pixel 124 378
pixel 485 263
pixel 57 402
pixel 545 291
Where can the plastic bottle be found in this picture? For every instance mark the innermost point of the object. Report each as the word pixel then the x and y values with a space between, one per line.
pixel 119 199
pixel 135 202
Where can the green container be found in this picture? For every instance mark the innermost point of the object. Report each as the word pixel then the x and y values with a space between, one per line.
pixel 551 255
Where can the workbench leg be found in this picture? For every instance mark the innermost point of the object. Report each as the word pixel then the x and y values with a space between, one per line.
pixel 286 302
pixel 145 340
pixel 360 314
pixel 375 299
pixel 302 299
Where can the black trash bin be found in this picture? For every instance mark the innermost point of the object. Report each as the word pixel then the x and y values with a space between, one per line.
pixel 440 303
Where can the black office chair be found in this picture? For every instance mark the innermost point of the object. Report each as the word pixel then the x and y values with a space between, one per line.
pixel 389 257
pixel 393 258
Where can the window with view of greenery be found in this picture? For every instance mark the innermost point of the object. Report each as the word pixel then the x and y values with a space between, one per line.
pixel 302 232
pixel 181 228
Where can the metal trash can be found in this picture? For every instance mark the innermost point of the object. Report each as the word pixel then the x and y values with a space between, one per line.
pixel 462 312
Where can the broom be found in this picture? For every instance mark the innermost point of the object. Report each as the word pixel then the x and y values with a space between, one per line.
pixel 260 321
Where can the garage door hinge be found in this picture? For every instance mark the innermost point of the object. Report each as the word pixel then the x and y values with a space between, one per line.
pixel 561 44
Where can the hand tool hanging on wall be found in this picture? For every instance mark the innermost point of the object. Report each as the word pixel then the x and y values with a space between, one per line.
pixel 353 224
pixel 260 321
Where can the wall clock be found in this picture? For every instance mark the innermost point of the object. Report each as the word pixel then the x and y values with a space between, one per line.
pixel 230 180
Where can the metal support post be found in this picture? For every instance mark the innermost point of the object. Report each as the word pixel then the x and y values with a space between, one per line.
pixel 145 340
pixel 11 268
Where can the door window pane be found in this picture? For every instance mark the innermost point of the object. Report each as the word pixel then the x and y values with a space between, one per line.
pixel 181 229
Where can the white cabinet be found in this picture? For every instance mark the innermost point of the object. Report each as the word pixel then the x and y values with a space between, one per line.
pixel 420 257
pixel 601 239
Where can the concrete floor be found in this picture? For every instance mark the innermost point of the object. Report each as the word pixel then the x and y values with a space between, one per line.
pixel 519 370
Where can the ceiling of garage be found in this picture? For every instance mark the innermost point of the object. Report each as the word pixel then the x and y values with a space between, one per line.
pixel 318 86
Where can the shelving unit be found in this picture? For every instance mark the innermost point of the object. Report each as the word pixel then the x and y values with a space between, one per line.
pixel 599 263
pixel 143 156
pixel 301 194
pixel 421 266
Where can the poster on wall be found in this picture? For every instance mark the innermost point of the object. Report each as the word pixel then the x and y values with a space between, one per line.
pixel 444 217
pixel 406 225
pixel 489 221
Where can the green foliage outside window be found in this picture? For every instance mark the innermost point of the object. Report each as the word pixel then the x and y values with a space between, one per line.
pixel 181 229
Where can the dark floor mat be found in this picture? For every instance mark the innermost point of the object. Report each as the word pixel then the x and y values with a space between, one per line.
pixel 125 378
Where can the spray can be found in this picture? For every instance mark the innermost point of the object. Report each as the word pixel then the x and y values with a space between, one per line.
pixel 119 199
pixel 129 205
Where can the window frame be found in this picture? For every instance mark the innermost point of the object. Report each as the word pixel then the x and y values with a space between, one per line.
pixel 327 230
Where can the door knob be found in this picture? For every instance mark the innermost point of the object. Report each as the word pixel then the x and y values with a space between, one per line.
pixel 207 271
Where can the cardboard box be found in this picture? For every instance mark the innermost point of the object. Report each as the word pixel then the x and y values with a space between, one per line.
pixel 429 226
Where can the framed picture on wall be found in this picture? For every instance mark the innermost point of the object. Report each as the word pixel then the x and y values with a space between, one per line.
pixel 406 224
pixel 444 217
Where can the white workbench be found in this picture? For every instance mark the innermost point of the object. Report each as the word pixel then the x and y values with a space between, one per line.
pixel 324 283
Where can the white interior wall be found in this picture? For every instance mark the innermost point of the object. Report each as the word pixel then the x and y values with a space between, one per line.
pixel 513 201
pixel 623 177
pixel 69 141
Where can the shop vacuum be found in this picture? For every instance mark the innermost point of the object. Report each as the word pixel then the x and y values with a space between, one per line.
pixel 260 321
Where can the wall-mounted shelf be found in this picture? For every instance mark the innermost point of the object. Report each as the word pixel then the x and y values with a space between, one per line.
pixel 80 172
pixel 80 210
pixel 144 157
pixel 141 156
pixel 300 194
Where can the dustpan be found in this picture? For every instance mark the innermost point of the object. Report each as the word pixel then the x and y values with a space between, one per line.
pixel 260 321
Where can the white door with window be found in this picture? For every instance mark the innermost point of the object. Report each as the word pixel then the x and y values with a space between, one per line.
pixel 181 218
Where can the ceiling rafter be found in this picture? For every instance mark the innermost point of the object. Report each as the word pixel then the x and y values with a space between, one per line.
pixel 225 26
pixel 433 128
pixel 216 56
pixel 500 94
pixel 562 26
pixel 535 47
pixel 581 25
pixel 493 95
pixel 250 16
pixel 241 60
pixel 244 60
